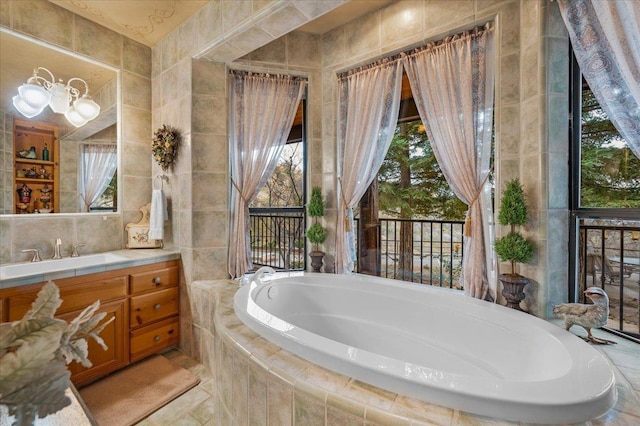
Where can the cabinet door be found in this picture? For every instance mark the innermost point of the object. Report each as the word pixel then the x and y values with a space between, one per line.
pixel 115 336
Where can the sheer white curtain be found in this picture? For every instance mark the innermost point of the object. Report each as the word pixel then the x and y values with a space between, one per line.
pixel 97 166
pixel 606 40
pixel 262 110
pixel 452 83
pixel 369 100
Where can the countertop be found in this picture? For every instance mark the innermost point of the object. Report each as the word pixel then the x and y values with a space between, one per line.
pixel 134 257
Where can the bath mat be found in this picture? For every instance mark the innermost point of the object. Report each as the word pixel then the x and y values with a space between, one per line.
pixel 128 396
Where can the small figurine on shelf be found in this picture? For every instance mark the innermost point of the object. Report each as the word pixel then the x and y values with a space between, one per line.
pixel 45 153
pixel 24 194
pixel 45 196
pixel 22 208
pixel 31 173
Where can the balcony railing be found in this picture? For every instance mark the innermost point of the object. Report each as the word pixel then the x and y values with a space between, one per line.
pixel 610 259
pixel 277 237
pixel 435 250
pixel 609 255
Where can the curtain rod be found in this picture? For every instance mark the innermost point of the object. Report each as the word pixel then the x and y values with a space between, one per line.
pixel 236 72
pixel 476 30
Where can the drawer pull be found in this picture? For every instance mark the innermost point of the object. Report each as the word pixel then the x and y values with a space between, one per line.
pixel 157 281
pixel 156 339
pixel 156 306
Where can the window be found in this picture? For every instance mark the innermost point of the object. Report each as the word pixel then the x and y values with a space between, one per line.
pixel 605 204
pixel 415 234
pixel 609 171
pixel 277 214
pixel 108 201
pixel 97 181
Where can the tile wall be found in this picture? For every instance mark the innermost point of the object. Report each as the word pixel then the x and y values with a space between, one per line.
pixel 182 82
pixel 531 106
pixel 48 23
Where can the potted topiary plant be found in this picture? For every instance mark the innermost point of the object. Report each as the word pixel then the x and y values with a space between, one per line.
pixel 316 233
pixel 513 247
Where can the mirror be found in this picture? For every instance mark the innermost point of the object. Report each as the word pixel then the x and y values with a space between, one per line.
pixel 62 173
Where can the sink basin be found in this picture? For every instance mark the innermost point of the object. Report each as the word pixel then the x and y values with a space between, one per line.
pixel 18 270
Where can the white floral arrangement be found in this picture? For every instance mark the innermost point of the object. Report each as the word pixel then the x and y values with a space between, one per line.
pixel 165 146
pixel 34 353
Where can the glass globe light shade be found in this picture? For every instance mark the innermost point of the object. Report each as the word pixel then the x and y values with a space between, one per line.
pixel 36 96
pixel 24 108
pixel 74 117
pixel 60 98
pixel 86 107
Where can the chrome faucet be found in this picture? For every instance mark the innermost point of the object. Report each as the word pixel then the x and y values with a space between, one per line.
pixel 36 254
pixel 56 252
pixel 75 250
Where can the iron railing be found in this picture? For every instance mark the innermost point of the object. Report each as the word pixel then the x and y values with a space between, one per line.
pixel 610 259
pixel 609 255
pixel 436 248
pixel 277 237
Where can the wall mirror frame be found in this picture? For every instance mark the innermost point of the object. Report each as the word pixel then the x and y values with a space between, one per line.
pixel 104 81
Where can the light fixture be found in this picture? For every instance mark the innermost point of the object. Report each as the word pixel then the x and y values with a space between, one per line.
pixel 38 92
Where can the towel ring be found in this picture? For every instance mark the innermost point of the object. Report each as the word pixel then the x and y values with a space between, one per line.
pixel 162 179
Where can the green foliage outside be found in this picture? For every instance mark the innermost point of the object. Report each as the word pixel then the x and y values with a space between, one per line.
pixel 411 184
pixel 513 247
pixel 610 174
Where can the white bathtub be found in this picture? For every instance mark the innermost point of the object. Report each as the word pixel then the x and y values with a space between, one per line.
pixel 432 344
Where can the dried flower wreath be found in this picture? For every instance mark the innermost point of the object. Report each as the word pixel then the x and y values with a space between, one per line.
pixel 165 146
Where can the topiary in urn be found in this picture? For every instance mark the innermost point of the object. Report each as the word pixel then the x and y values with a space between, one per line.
pixel 513 247
pixel 316 233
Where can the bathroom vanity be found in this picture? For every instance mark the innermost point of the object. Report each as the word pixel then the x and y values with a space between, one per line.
pixel 143 299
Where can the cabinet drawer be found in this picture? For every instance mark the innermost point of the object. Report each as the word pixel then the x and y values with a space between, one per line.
pixel 153 306
pixel 152 338
pixel 73 297
pixel 154 280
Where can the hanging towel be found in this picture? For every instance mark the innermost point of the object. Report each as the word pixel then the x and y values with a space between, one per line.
pixel 157 215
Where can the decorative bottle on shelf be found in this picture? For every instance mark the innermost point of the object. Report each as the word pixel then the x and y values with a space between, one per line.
pixel 45 153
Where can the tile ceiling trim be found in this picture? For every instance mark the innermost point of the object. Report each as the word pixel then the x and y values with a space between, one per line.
pixel 145 30
pixel 222 49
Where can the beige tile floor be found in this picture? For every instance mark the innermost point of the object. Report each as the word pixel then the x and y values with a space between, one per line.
pixel 196 407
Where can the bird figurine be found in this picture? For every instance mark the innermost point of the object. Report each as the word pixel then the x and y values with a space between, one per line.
pixel 587 316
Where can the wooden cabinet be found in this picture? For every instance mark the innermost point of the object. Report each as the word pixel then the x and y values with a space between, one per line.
pixel 154 311
pixel 115 337
pixel 35 171
pixel 144 301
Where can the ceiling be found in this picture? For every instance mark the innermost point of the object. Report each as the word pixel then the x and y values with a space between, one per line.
pixel 149 21
pixel 146 21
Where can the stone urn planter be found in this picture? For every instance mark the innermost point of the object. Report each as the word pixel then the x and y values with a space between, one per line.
pixel 316 260
pixel 513 289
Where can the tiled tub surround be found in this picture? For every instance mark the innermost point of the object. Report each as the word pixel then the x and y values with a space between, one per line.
pixel 258 383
